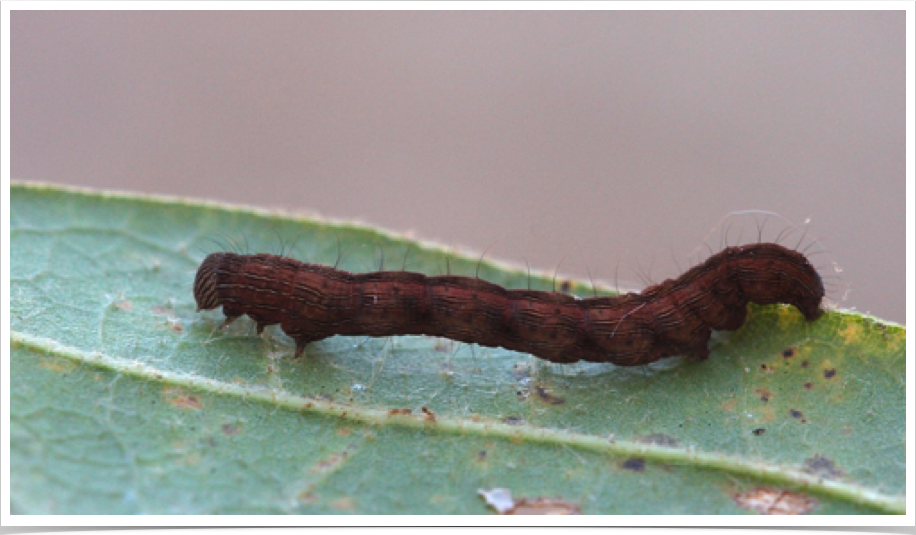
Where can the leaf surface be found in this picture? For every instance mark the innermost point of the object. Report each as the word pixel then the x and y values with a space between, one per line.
pixel 125 400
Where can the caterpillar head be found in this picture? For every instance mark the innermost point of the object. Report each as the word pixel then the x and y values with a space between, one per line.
pixel 770 273
pixel 205 282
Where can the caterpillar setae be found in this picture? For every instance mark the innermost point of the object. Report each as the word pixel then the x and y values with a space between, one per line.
pixel 676 317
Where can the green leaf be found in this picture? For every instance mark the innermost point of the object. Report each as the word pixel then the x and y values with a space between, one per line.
pixel 125 400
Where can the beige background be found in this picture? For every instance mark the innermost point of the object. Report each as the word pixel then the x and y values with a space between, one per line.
pixel 608 141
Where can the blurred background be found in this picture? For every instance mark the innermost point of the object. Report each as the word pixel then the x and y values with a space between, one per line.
pixel 609 144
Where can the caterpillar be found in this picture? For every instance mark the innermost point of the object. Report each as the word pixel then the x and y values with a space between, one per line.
pixel 311 302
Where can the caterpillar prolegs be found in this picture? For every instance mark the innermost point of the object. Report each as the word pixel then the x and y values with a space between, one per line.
pixel 676 317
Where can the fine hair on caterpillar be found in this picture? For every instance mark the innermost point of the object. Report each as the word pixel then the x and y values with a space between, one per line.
pixel 311 302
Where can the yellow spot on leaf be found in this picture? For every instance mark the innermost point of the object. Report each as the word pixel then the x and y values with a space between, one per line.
pixel 57 365
pixel 787 316
pixel 852 333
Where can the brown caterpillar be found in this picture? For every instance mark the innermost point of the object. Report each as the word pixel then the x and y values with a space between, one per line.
pixel 676 317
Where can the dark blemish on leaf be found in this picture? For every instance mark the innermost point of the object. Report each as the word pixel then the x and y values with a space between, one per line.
pixel 764 367
pixel 822 467
pixel 482 456
pixel 798 415
pixel 548 398
pixel 764 394
pixel 399 412
pixel 830 374
pixel 759 431
pixel 788 352
pixel 809 385
pixel 805 364
pixel 428 414
pixel 659 439
pixel 634 464
pixel 769 501
pixel 514 420
pixel 230 430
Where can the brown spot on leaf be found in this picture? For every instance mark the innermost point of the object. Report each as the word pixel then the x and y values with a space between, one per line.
pixel 333 461
pixel 308 496
pixel 428 414
pixel 230 429
pixel 343 431
pixel 399 412
pixel 177 397
pixel 822 467
pixel 809 385
pixel 805 364
pixel 788 352
pixel 547 397
pixel 514 420
pixel 443 345
pixel 764 394
pixel 830 373
pixel 344 504
pixel 759 431
pixel 634 464
pixel 798 415
pixel 500 499
pixel 770 501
